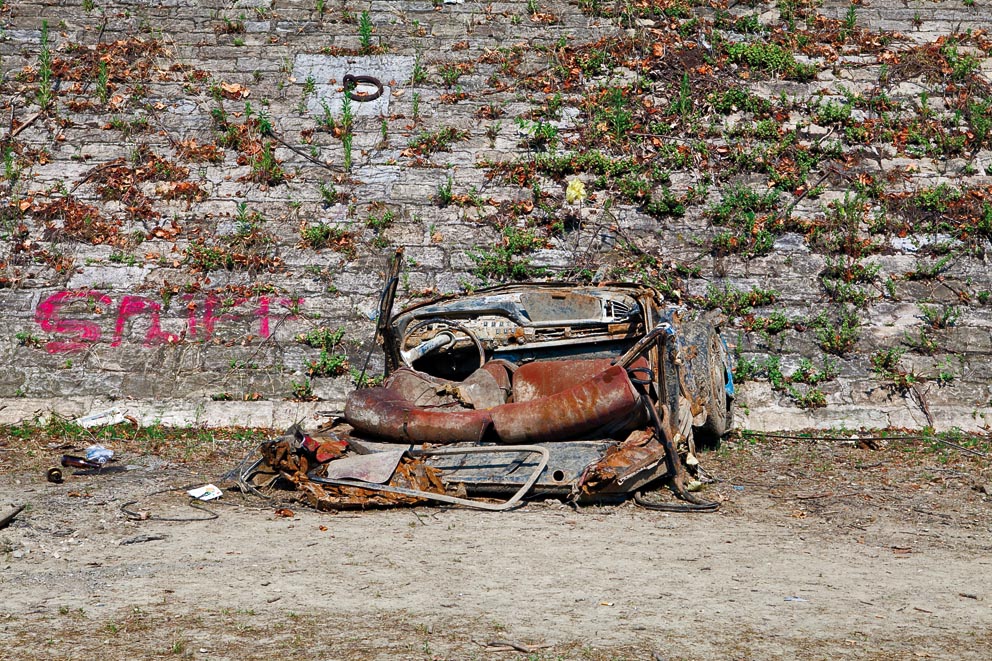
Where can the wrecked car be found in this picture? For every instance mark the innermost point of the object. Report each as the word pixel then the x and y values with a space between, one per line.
pixel 590 392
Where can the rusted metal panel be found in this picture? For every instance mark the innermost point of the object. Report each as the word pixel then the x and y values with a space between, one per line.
pixel 543 378
pixel 386 414
pixel 497 473
pixel 599 406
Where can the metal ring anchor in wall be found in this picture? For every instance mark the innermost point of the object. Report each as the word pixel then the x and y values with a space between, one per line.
pixel 351 84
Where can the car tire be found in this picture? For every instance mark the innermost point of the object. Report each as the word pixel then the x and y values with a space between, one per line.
pixel 710 373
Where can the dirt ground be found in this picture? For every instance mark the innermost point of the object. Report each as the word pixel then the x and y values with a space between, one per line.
pixel 821 550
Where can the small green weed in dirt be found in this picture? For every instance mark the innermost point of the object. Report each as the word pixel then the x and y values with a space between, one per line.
pixel 183 444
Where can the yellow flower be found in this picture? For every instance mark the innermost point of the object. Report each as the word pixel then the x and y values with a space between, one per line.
pixel 576 191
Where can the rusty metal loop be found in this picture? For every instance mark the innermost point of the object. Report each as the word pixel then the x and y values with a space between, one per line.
pixel 646 380
pixel 351 82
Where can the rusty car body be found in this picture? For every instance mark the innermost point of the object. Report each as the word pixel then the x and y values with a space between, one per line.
pixel 579 391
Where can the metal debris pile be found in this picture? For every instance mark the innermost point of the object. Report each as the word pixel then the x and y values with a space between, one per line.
pixel 582 392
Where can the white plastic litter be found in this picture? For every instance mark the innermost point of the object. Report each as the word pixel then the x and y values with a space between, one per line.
pixel 206 492
pixel 99 454
pixel 100 419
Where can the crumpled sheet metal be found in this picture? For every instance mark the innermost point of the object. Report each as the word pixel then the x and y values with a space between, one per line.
pixel 602 404
pixel 410 474
pixel 282 457
pixel 626 466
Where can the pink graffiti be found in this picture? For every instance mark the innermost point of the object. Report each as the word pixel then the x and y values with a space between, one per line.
pixel 134 305
pixel 47 315
pixel 201 318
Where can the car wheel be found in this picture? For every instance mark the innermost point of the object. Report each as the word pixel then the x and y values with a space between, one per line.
pixel 711 376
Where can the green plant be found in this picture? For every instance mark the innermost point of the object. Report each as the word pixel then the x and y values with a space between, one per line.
pixel 416 106
pixel 938 198
pixel 328 364
pixel 962 66
pixel 450 73
pixel 800 386
pixel 943 316
pixel 45 94
pixel 833 113
pixel 209 258
pixel 930 270
pixel 543 135
pixel 434 141
pixel 444 195
pixel 346 143
pixel 11 170
pixel 506 260
pixel 745 210
pixel 850 20
pixel 769 57
pixel 320 235
pixel 683 103
pixel 328 193
pixel 102 82
pixel 326 120
pixel 365 30
pixel 492 132
pixel 811 398
pixel 736 302
pixel 303 390
pixel 265 168
pixel 26 339
pixel 320 6
pixel 419 75
pixel 321 338
pixel 309 86
pixel 807 373
pixel 886 364
pixel 837 336
pixel 347 115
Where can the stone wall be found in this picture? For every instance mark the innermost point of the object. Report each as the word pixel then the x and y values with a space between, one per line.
pixel 187 195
